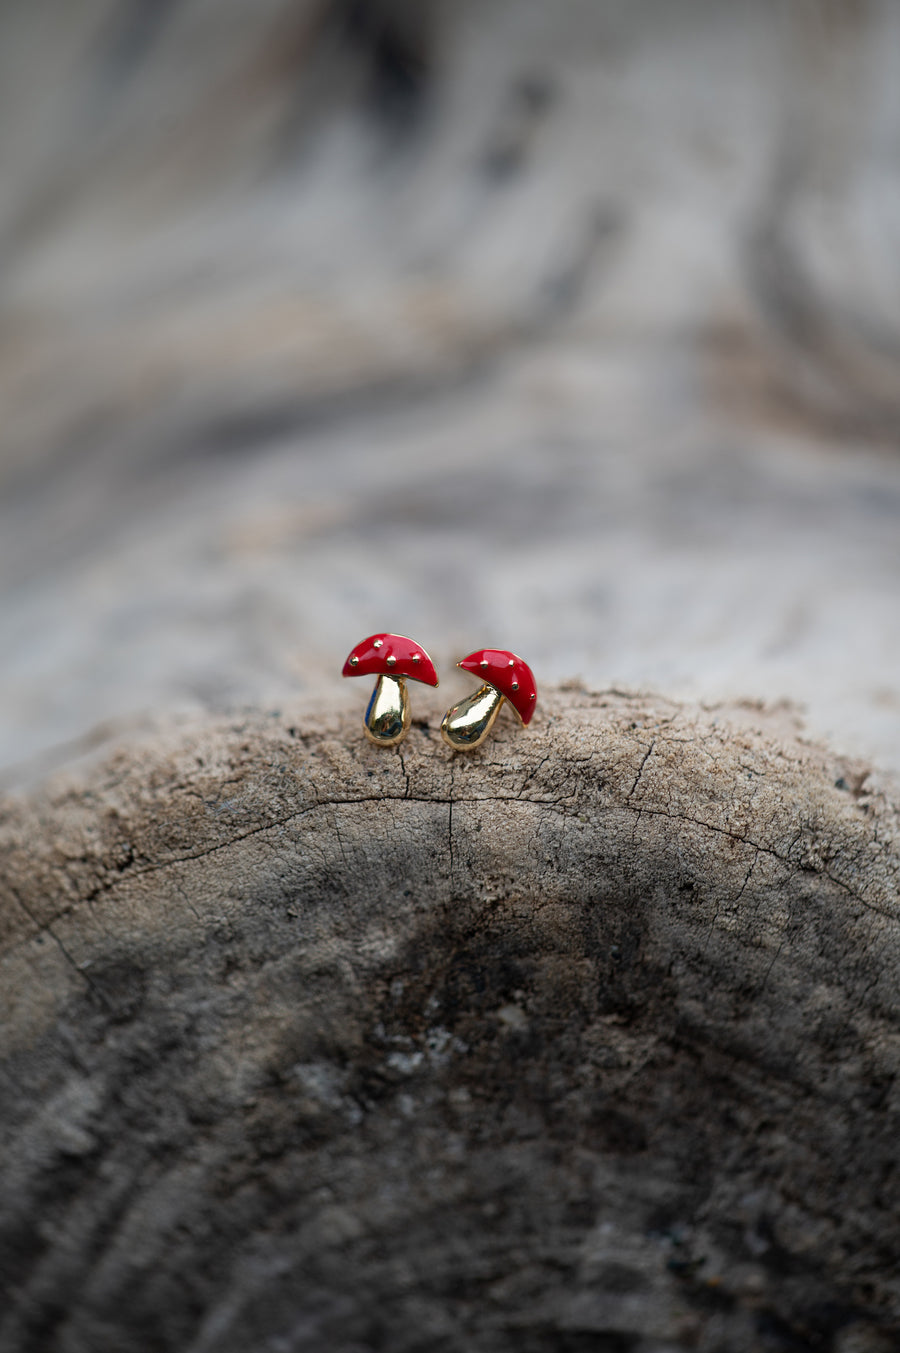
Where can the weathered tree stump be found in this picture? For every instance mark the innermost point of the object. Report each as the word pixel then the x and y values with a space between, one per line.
pixel 588 1040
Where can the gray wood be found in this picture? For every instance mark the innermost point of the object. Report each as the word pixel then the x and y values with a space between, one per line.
pixel 586 1040
pixel 585 314
pixel 571 328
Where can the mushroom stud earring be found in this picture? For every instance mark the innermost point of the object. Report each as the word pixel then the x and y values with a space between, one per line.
pixel 392 658
pixel 505 677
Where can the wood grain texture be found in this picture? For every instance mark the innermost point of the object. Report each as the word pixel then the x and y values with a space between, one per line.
pixel 587 1040
pixel 316 304
pixel 566 328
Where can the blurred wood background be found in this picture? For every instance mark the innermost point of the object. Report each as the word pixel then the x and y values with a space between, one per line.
pixel 571 328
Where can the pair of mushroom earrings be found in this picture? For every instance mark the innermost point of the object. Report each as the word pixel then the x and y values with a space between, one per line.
pixel 393 658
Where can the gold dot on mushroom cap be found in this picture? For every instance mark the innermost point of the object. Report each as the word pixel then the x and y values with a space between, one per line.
pixel 515 685
pixel 483 663
pixel 532 695
pixel 378 643
pixel 416 657
pixel 512 662
pixel 354 662
pixel 391 660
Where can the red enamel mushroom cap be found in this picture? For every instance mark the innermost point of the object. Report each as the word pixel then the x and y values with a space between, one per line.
pixel 508 674
pixel 391 655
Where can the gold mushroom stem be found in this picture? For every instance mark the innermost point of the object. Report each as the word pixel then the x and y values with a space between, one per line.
pixel 467 724
pixel 387 718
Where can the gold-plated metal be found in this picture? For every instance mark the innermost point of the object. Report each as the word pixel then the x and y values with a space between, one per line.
pixel 388 715
pixel 467 724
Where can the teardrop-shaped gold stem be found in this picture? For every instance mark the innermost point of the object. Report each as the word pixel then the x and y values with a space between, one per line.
pixel 387 718
pixel 467 724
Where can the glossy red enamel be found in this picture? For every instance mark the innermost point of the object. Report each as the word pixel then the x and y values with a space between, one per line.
pixel 504 670
pixel 410 659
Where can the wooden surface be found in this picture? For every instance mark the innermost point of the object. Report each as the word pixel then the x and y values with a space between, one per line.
pixel 584 1040
pixel 573 331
